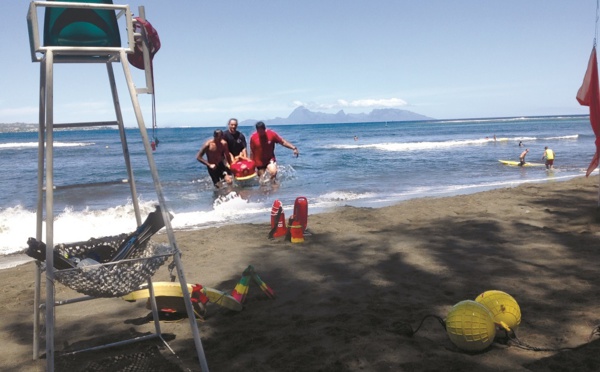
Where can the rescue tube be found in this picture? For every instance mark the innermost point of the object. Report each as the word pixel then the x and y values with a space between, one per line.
pixel 277 220
pixel 301 212
pixel 243 170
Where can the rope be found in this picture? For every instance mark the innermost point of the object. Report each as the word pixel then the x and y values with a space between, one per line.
pixel 149 47
pixel 514 340
pixel 511 336
pixel 410 332
pixel 154 125
pixel 596 30
pixel 595 332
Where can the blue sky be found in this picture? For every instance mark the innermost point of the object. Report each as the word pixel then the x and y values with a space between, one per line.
pixel 260 59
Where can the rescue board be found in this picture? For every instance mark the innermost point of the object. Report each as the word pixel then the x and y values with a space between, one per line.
pixel 173 289
pixel 516 163
pixel 243 170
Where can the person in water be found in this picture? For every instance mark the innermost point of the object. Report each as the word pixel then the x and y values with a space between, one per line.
pixel 236 142
pixel 217 155
pixel 549 156
pixel 262 148
pixel 522 157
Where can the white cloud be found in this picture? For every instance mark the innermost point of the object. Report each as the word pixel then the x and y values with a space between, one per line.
pixel 358 103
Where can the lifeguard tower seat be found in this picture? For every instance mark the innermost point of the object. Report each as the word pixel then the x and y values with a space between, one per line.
pixel 89 32
pixel 81 27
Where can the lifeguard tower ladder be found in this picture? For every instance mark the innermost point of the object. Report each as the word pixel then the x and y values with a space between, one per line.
pixel 88 32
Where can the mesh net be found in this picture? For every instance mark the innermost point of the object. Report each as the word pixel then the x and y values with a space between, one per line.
pixel 145 358
pixel 111 279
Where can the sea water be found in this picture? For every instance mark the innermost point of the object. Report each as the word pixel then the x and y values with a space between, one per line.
pixel 358 164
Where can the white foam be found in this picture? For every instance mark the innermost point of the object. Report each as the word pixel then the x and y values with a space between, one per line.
pixel 411 146
pixel 430 145
pixel 575 136
pixel 23 145
pixel 344 196
pixel 226 208
pixel 13 260
pixel 18 224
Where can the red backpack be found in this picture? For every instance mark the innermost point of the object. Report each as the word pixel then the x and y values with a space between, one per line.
pixel 137 58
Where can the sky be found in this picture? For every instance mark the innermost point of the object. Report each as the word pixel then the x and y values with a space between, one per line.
pixel 261 59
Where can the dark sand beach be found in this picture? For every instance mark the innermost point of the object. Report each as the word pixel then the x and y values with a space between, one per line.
pixel 348 294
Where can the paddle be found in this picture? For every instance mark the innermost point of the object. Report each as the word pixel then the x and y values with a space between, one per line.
pixel 139 237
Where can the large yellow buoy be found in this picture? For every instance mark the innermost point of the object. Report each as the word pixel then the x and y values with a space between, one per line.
pixel 504 308
pixel 470 326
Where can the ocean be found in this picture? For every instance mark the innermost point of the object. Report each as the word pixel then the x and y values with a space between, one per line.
pixel 386 163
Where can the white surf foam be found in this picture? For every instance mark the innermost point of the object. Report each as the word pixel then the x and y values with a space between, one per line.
pixel 24 145
pixel 18 224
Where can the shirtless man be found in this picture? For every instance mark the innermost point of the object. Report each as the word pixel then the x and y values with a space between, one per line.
pixel 522 157
pixel 217 155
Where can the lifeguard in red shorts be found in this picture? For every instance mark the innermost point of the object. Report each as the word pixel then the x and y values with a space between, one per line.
pixel 262 147
pixel 549 156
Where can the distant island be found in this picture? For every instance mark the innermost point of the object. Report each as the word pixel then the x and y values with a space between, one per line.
pixel 18 127
pixel 302 115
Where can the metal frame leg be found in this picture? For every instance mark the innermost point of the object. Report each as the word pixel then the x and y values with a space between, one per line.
pixel 161 200
pixel 115 96
pixel 40 206
pixel 49 79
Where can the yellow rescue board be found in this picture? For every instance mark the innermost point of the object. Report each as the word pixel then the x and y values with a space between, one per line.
pixel 516 163
pixel 173 289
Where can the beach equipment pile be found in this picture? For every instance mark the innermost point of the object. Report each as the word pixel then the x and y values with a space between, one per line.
pixel 295 230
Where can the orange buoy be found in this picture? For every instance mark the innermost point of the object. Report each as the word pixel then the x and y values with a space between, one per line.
pixel 301 211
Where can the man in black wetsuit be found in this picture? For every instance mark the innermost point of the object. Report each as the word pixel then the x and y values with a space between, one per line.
pixel 236 142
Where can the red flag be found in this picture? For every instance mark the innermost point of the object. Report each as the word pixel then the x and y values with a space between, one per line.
pixel 589 95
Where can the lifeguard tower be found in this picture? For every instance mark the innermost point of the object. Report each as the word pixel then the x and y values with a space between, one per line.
pixel 89 32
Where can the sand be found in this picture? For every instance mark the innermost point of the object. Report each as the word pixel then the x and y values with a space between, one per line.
pixel 348 295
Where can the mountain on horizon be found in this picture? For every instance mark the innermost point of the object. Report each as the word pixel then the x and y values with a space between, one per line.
pixel 302 115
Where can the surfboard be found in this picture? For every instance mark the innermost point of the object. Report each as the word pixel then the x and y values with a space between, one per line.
pixel 173 289
pixel 516 163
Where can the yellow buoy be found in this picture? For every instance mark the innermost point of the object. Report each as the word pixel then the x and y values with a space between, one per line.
pixel 470 326
pixel 505 310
